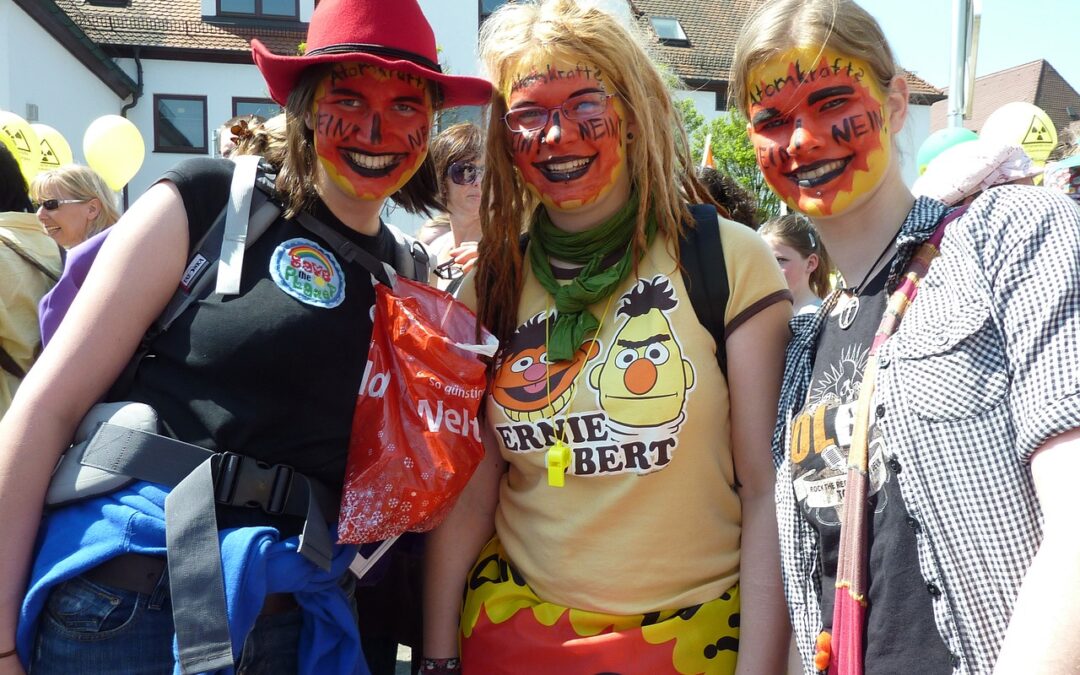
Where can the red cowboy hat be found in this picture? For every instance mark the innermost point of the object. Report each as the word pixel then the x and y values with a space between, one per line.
pixel 390 34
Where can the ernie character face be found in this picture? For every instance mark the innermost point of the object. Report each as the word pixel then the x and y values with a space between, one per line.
pixel 371 128
pixel 567 133
pixel 819 127
pixel 527 386
pixel 644 380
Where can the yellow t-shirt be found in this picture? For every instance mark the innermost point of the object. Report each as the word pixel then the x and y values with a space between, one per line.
pixel 21 287
pixel 648 518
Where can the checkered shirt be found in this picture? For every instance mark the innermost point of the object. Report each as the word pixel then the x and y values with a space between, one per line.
pixel 984 368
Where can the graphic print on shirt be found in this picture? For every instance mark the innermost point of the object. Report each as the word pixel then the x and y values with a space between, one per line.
pixel 639 389
pixel 821 438
pixel 308 272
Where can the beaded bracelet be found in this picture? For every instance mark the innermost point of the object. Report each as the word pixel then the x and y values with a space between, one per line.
pixel 440 666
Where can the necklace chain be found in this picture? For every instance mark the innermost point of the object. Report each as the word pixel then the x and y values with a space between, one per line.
pixel 869 273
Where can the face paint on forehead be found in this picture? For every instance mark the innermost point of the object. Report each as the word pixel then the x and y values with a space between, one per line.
pixel 371 128
pixel 818 124
pixel 570 162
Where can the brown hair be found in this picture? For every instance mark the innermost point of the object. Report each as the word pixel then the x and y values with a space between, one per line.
pixel 659 161
pixel 458 143
pixel 796 230
pixel 296 175
pixel 784 24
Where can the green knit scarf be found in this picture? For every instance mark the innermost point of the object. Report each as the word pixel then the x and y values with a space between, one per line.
pixel 574 321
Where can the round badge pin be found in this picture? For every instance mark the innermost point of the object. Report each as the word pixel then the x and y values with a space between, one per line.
pixel 308 272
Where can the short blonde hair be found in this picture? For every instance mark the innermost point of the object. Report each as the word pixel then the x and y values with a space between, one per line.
pixel 660 166
pixel 784 24
pixel 76 181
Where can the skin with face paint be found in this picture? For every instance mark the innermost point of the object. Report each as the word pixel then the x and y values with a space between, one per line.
pixel 569 163
pixel 818 124
pixel 371 128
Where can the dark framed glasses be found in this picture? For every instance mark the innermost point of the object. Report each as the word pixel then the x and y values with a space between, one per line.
pixel 465 173
pixel 53 204
pixel 580 107
pixel 448 270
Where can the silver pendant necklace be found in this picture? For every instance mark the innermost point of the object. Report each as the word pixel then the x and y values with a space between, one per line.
pixel 851 304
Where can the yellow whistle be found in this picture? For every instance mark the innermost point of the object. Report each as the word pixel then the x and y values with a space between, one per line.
pixel 557 461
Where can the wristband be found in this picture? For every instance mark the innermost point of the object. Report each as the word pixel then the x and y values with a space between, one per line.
pixel 4 655
pixel 440 666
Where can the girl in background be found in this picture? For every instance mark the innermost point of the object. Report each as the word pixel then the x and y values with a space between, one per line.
pixel 802 259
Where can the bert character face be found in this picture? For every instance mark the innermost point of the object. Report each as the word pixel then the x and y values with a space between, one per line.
pixel 567 133
pixel 819 126
pixel 371 128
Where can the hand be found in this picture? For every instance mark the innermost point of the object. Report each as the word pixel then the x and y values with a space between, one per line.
pixel 464 255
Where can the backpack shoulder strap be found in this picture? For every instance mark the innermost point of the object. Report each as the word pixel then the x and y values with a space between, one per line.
pixel 701 254
pixel 8 363
pixel 411 258
pixel 30 260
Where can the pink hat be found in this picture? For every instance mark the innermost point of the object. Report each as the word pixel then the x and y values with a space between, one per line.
pixel 393 35
pixel 969 168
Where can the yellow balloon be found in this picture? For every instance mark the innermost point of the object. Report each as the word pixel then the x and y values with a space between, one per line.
pixel 114 148
pixel 55 151
pixel 6 141
pixel 1025 125
pixel 27 145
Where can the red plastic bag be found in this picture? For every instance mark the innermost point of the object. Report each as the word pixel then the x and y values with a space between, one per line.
pixel 415 439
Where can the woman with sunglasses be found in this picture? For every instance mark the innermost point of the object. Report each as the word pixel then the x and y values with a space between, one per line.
pixel 270 374
pixel 627 482
pixel 929 428
pixel 74 203
pixel 457 154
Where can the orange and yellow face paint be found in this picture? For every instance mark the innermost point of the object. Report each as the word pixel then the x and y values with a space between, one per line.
pixel 371 128
pixel 580 164
pixel 819 127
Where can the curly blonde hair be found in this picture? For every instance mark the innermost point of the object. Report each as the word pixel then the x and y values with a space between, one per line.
pixel 516 36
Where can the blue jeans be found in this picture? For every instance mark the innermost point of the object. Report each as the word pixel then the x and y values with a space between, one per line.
pixel 90 629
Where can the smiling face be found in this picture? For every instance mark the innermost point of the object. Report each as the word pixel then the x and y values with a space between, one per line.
pixel 819 126
pixel 569 163
pixel 69 223
pixel 371 128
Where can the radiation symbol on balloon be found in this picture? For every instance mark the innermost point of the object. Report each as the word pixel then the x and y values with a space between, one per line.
pixel 49 160
pixel 1036 133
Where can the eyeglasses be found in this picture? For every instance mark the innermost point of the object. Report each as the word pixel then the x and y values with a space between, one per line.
pixel 535 118
pixel 465 173
pixel 53 204
pixel 448 270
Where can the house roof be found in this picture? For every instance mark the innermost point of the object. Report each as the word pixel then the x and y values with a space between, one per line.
pixel 1037 83
pixel 712 28
pixel 162 27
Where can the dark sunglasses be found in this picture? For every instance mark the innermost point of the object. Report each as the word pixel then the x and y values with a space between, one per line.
pixel 465 173
pixel 448 270
pixel 53 204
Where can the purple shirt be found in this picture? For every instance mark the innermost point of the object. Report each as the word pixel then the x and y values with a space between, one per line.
pixel 55 304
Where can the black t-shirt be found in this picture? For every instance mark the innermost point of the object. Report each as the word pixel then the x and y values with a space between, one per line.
pixel 901 636
pixel 273 372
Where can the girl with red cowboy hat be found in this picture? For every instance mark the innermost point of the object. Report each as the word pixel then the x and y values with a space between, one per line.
pixel 269 373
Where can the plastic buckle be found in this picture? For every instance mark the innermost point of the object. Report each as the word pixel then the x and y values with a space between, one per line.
pixel 244 481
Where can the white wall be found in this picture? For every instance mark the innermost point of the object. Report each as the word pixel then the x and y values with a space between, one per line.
pixel 35 69
pixel 916 130
pixel 704 101
pixel 218 82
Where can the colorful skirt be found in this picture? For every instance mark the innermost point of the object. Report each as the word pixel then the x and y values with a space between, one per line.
pixel 505 628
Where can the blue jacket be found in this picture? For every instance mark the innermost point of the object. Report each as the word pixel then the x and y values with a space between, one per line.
pixel 255 560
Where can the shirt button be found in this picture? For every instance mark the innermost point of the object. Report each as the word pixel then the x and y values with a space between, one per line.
pixel 955 660
pixel 914 524
pixel 933 590
pixel 880 410
pixel 883 361
pixel 894 465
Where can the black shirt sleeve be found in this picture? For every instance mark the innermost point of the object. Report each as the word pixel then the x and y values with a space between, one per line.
pixel 204 186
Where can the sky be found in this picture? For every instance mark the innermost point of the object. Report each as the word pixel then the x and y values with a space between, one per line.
pixel 1013 32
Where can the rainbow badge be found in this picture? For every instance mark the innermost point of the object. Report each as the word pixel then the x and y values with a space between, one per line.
pixel 308 272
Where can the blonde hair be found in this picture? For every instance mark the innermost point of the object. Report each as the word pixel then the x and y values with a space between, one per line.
pixel 783 24
pixel 796 230
pixel 517 35
pixel 76 181
pixel 266 139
